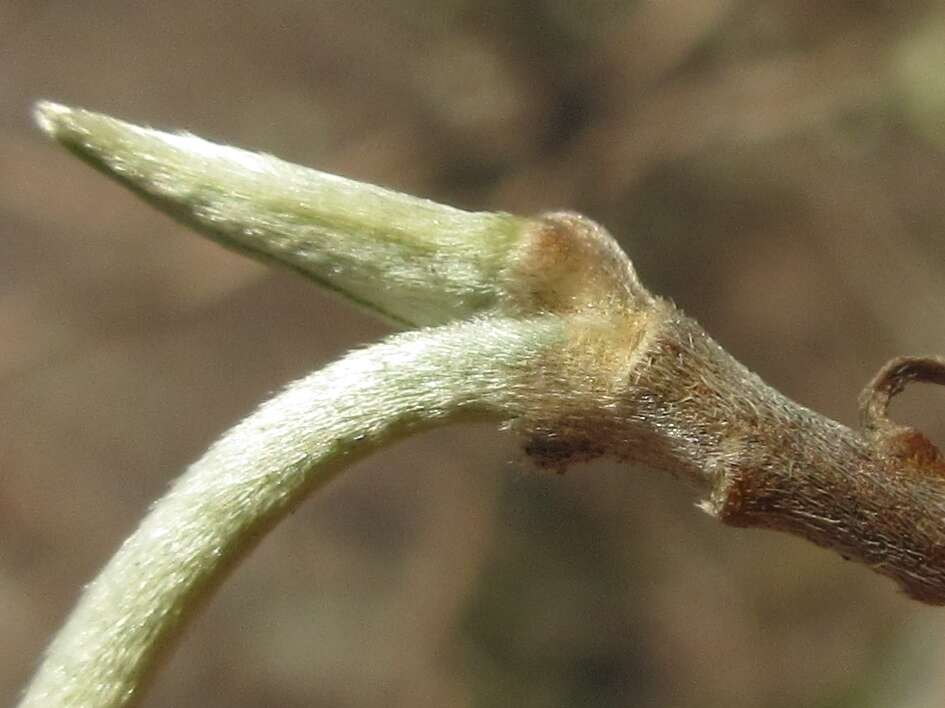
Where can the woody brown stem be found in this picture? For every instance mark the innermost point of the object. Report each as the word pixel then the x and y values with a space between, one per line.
pixel 688 407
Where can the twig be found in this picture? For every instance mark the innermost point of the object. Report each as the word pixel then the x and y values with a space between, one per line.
pixel 540 323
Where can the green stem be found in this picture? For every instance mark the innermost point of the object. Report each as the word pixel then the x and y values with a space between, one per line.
pixel 258 471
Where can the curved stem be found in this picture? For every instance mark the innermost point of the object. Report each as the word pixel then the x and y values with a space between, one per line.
pixel 614 371
pixel 257 472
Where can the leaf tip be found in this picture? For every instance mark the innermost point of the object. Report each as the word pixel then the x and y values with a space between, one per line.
pixel 51 116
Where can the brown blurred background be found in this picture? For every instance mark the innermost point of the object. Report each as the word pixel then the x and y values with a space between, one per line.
pixel 775 167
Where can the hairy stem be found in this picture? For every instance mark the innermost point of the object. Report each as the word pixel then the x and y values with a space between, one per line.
pixel 257 472
pixel 566 345
pixel 688 407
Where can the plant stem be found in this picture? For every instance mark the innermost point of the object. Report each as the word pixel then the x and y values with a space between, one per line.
pixel 257 472
pixel 565 344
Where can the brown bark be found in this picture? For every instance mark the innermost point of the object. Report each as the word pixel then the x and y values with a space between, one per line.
pixel 677 401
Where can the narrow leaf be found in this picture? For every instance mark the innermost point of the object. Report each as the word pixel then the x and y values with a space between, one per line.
pixel 411 260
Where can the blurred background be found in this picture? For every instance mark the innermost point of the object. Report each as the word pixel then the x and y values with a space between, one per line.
pixel 776 167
